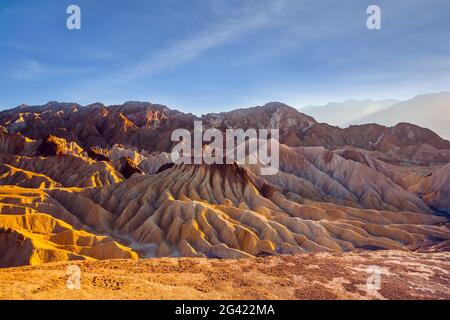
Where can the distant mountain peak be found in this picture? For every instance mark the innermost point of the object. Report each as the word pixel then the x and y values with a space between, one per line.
pixel 343 113
pixel 427 110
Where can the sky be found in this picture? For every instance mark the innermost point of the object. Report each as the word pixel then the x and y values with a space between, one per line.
pixel 203 56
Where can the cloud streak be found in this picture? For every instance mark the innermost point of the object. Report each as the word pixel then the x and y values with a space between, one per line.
pixel 29 69
pixel 238 23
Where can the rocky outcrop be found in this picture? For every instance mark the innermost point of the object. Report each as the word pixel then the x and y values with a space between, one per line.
pixel 435 189
pixel 67 170
pixel 35 229
pixel 95 154
pixel 128 168
pixel 51 146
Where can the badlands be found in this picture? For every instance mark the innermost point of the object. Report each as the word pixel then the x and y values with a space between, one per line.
pixel 79 184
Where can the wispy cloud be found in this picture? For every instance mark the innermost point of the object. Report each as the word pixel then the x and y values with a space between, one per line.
pixel 32 69
pixel 29 69
pixel 238 23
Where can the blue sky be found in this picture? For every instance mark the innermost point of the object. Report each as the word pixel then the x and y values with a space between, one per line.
pixel 216 55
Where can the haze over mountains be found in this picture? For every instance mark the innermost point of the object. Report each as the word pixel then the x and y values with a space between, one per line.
pixel 429 110
pixel 97 182
pixel 343 113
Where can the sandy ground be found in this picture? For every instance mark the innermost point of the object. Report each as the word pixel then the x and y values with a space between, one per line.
pixel 403 275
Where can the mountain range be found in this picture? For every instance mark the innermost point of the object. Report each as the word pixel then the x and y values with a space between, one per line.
pixel 429 110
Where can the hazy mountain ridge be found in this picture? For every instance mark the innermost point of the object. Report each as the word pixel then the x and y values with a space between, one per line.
pixel 343 113
pixel 430 111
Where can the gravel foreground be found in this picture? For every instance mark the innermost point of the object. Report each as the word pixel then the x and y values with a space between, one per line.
pixel 403 275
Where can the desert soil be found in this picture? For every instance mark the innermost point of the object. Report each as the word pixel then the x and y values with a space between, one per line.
pixel 404 275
